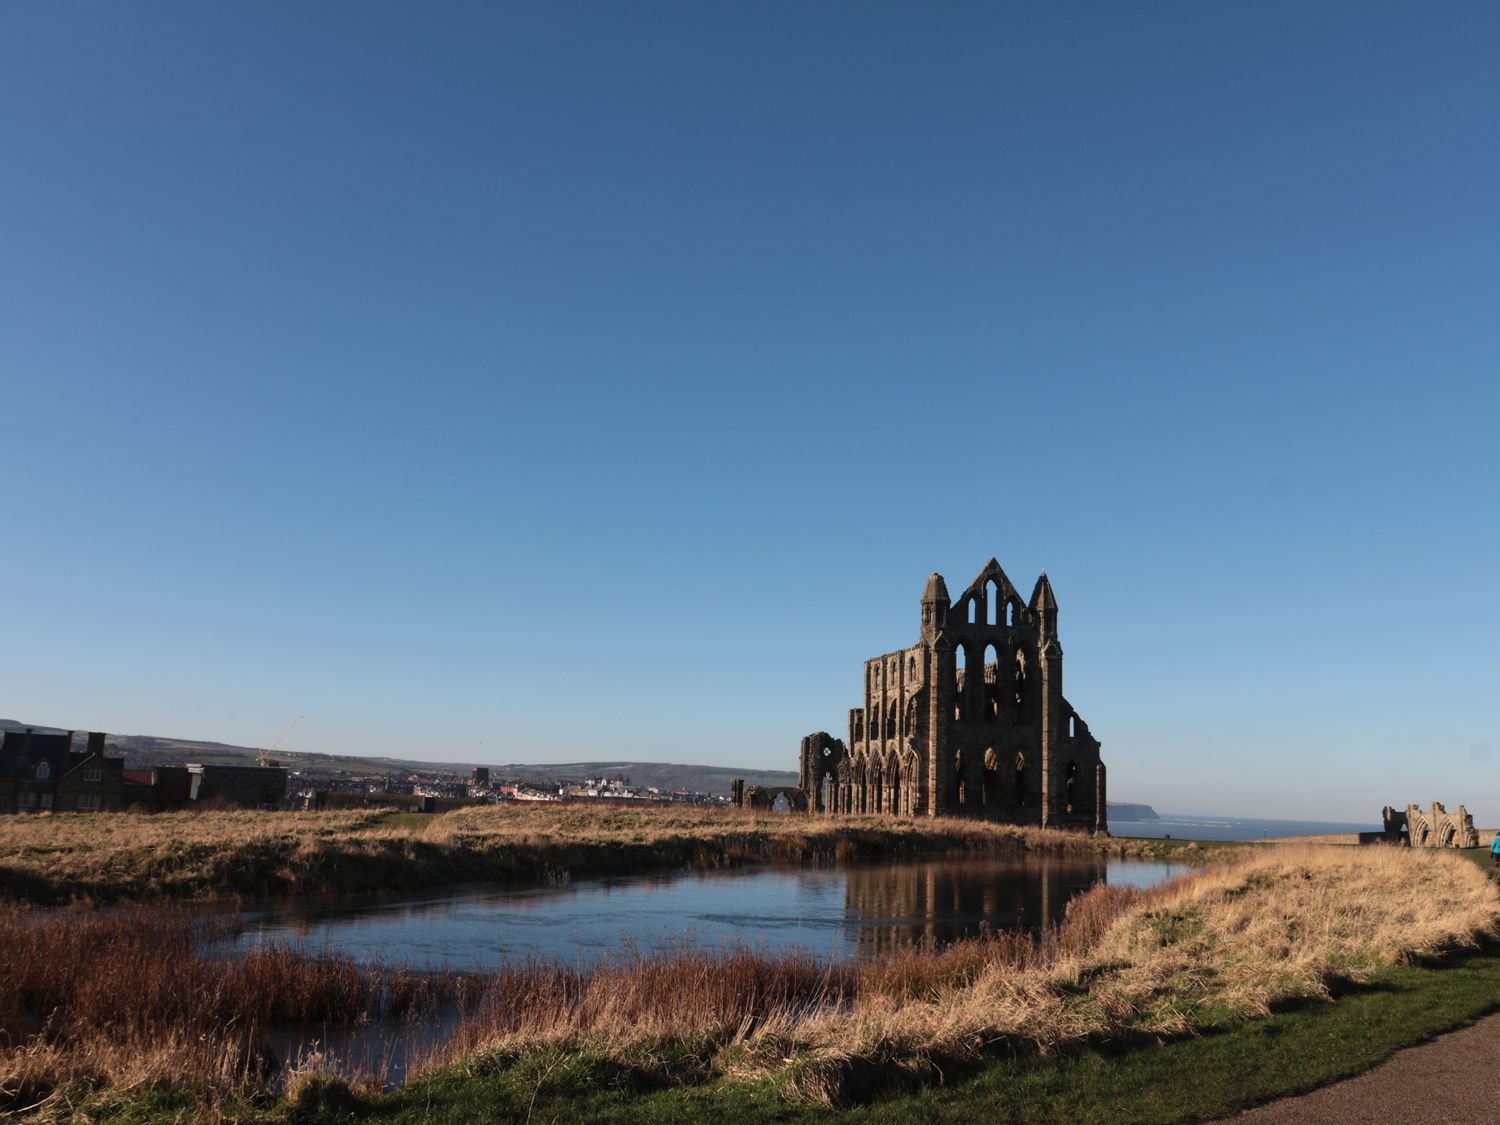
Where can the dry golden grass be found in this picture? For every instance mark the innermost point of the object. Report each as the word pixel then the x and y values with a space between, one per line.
pixel 125 998
pixel 108 856
pixel 120 999
pixel 1271 926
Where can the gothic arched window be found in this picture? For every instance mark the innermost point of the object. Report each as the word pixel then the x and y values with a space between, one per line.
pixel 960 684
pixel 992 676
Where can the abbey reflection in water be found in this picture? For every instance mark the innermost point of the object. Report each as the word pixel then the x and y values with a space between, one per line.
pixel 859 910
pixel 889 906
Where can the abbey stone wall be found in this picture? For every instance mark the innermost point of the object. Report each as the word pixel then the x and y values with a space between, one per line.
pixel 1429 828
pixel 969 721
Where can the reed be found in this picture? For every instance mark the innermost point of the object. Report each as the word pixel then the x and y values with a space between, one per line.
pixel 121 999
pixel 125 998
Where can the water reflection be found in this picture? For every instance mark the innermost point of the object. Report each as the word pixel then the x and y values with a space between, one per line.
pixel 843 912
pixel 856 911
pixel 937 902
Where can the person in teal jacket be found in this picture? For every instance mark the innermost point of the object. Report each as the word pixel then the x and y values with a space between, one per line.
pixel 1495 849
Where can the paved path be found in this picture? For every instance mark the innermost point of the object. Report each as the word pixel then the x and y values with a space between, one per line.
pixel 1455 1078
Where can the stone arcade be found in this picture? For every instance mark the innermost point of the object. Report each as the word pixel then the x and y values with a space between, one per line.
pixel 969 721
pixel 1429 828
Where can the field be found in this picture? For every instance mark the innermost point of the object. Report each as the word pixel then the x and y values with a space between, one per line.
pixel 121 856
pixel 112 1011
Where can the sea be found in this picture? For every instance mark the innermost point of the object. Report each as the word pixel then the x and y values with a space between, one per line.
pixel 1183 826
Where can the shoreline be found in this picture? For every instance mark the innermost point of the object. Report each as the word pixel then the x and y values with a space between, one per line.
pixel 105 858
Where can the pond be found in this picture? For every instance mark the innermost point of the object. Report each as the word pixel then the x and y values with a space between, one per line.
pixel 854 911
pixel 831 912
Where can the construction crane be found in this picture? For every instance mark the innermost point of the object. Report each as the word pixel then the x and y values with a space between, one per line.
pixel 266 754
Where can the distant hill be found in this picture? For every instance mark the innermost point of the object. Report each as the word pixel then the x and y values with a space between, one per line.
pixel 1131 812
pixel 144 751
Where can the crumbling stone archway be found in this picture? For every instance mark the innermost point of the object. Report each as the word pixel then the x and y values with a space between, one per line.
pixel 1430 828
pixel 770 798
pixel 817 776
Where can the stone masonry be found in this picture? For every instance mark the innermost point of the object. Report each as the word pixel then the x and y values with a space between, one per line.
pixel 969 721
pixel 1429 828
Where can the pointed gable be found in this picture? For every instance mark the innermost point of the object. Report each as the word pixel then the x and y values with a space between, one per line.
pixel 975 595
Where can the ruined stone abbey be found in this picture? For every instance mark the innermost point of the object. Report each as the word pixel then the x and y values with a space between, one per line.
pixel 969 721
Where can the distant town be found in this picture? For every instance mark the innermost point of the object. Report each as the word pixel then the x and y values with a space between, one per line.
pixel 439 790
pixel 50 769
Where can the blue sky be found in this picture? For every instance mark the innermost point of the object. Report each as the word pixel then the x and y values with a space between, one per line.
pixel 501 382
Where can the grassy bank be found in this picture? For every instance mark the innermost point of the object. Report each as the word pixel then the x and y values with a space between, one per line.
pixel 1229 1065
pixel 104 857
pixel 1232 942
pixel 1203 960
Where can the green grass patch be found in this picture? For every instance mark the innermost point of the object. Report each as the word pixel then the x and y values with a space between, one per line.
pixel 1480 856
pixel 1189 851
pixel 1229 1067
pixel 417 822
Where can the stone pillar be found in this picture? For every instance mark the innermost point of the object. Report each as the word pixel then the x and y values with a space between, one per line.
pixel 1052 720
pixel 939 764
pixel 1101 806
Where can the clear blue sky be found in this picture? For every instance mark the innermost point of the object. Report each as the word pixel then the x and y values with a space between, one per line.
pixel 501 382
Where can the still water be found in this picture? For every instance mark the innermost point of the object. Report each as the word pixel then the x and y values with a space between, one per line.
pixel 833 912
